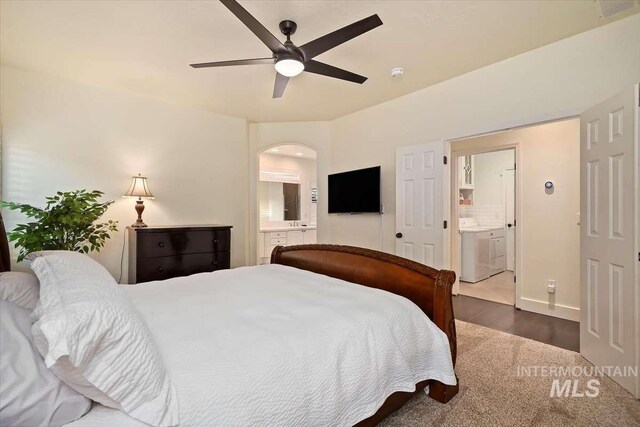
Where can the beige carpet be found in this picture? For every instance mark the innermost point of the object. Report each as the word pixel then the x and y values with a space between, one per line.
pixel 499 288
pixel 491 394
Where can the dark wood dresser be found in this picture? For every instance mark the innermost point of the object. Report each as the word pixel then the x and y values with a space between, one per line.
pixel 157 253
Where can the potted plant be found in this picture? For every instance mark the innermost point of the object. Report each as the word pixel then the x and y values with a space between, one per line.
pixel 69 221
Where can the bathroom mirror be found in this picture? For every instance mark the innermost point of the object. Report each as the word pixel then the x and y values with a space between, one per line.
pixel 279 201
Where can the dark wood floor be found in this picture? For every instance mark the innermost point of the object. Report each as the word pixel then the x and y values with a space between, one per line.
pixel 550 330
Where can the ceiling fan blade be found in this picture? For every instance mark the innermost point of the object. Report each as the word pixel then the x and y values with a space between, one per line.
pixel 256 61
pixel 331 40
pixel 281 84
pixel 256 27
pixel 331 71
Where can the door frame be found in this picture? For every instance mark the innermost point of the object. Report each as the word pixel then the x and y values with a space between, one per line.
pixel 505 196
pixel 253 238
pixel 454 235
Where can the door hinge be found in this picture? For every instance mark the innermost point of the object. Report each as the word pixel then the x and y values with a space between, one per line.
pixel 514 278
pixel 444 160
pixel 515 166
pixel 514 222
pixel 445 224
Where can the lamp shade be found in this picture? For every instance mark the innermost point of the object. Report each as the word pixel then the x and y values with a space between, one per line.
pixel 139 187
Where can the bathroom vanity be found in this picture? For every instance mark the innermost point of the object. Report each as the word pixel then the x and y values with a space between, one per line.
pixel 270 237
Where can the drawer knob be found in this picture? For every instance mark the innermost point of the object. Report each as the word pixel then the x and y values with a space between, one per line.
pixel 161 244
pixel 160 269
pixel 215 241
pixel 214 262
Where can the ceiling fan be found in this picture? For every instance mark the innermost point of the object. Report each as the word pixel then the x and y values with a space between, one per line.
pixel 289 59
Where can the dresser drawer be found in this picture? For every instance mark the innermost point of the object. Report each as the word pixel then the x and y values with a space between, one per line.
pixel 158 253
pixel 277 241
pixel 156 244
pixel 278 234
pixel 161 268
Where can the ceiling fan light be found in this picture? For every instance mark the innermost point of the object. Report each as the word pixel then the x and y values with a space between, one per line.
pixel 289 67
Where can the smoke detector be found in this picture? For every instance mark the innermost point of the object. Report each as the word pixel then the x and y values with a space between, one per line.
pixel 397 72
pixel 612 7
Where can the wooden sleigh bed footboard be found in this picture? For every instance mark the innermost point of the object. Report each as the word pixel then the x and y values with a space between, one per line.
pixel 428 288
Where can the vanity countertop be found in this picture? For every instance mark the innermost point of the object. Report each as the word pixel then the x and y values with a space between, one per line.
pixel 296 228
pixel 480 229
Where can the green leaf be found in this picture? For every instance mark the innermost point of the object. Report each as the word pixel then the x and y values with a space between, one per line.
pixel 68 221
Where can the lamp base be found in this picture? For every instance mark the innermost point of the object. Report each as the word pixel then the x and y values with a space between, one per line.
pixel 139 209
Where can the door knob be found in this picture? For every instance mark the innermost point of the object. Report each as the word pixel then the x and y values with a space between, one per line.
pixel 509 225
pixel 399 235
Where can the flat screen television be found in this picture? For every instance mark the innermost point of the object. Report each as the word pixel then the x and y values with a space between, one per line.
pixel 355 191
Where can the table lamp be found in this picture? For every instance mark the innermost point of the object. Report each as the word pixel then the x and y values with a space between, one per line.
pixel 139 189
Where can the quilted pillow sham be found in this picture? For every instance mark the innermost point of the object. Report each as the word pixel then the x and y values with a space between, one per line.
pixel 92 338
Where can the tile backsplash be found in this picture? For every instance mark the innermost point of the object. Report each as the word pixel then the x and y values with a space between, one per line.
pixel 487 216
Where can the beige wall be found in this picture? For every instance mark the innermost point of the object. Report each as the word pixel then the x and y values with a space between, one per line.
pixel 487 177
pixel 59 135
pixel 558 80
pixel 548 222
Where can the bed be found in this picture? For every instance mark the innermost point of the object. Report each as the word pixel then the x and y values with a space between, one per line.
pixel 342 286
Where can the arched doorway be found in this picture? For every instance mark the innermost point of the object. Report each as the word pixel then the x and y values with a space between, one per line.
pixel 286 192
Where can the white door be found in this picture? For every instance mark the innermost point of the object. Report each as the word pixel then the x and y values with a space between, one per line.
pixel 419 203
pixel 509 177
pixel 608 323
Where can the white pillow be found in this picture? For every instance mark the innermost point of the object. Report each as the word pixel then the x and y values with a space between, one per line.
pixel 19 288
pixel 92 337
pixel 30 394
pixel 33 255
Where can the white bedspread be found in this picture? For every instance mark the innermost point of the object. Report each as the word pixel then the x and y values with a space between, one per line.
pixel 277 346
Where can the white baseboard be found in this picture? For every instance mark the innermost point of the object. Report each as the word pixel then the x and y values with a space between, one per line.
pixel 555 310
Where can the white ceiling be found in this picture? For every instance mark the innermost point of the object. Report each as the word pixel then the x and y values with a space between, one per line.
pixel 146 46
pixel 291 150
